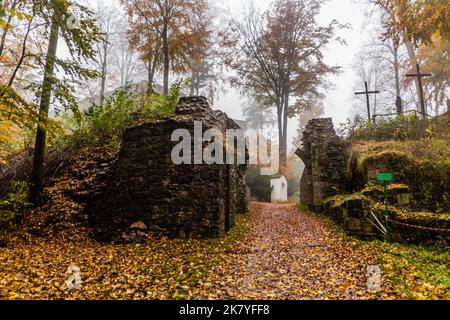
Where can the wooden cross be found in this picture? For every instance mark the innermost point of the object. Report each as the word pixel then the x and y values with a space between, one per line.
pixel 367 92
pixel 419 76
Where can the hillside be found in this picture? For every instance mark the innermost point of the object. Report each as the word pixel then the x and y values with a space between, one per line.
pixel 417 207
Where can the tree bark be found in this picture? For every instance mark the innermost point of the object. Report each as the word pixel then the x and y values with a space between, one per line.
pixel 285 128
pixel 22 56
pixel 280 130
pixel 104 72
pixel 37 175
pixel 398 102
pixel 166 63
pixel 150 74
pixel 413 61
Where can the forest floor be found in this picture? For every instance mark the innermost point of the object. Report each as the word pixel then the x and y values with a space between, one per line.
pixel 275 252
pixel 292 255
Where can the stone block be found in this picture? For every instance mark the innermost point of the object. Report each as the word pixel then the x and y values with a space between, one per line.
pixel 368 227
pixel 353 225
pixel 403 199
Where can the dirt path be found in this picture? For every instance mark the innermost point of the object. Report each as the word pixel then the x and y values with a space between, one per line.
pixel 291 255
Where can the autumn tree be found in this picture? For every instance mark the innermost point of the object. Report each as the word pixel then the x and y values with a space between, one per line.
pixel 435 59
pixel 258 115
pixel 108 22
pixel 16 48
pixel 415 23
pixel 80 37
pixel 176 27
pixel 8 10
pixel 129 61
pixel 278 55
pixel 142 38
pixel 206 76
pixel 206 72
pixel 316 111
pixel 19 52
pixel 382 63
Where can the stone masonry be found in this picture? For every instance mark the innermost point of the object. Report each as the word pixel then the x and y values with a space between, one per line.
pixel 148 194
pixel 325 163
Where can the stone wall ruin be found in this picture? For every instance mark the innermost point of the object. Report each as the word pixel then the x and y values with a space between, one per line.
pixel 148 194
pixel 323 154
pixel 354 199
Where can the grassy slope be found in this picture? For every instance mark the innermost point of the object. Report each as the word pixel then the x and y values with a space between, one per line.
pixel 413 271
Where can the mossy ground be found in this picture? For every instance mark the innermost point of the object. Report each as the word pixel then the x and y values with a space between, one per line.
pixel 412 271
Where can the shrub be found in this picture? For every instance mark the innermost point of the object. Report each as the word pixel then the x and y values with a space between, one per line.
pixel 113 116
pixel 15 202
pixel 156 106
pixel 122 110
pixel 403 127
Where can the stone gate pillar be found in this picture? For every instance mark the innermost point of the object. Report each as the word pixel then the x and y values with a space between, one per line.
pixel 325 163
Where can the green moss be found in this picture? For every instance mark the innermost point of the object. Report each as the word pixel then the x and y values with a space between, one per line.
pixel 422 165
pixel 415 271
pixel 421 218
pixel 339 200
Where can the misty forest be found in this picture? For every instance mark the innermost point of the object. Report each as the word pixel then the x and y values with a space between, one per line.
pixel 352 115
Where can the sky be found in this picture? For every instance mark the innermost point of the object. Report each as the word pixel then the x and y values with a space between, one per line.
pixel 340 98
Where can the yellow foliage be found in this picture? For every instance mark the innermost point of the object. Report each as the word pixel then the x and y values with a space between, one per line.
pixel 7 138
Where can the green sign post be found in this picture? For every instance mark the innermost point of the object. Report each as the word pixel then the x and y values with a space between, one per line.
pixel 385 177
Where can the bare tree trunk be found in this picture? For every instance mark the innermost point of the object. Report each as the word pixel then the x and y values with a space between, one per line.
pixel 23 54
pixel 104 72
pixel 150 74
pixel 153 67
pixel 285 128
pixel 398 102
pixel 280 130
pixel 37 175
pixel 413 61
pixel 166 63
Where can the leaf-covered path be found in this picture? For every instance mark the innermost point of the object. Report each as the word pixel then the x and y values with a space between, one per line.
pixel 276 252
pixel 291 255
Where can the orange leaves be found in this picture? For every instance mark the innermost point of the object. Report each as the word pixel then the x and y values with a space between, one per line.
pixel 278 253
pixel 288 255
pixel 35 267
pixel 417 21
pixel 188 27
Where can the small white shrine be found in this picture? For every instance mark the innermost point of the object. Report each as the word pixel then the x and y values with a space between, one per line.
pixel 279 189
